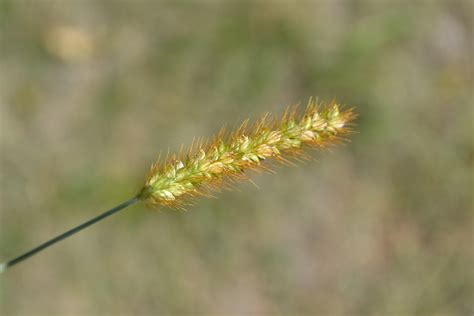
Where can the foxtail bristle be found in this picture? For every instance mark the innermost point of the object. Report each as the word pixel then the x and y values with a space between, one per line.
pixel 210 166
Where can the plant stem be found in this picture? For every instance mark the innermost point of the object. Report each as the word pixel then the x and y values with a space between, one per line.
pixel 28 254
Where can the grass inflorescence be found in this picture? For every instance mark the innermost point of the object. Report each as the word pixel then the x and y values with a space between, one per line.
pixel 210 166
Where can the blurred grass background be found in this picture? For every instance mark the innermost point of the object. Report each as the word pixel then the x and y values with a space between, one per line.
pixel 91 91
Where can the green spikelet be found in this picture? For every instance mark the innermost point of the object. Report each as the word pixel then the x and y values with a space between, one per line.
pixel 210 166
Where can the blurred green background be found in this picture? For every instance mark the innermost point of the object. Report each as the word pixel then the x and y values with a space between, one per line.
pixel 92 91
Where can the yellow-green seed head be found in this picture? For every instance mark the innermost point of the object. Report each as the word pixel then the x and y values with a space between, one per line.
pixel 208 167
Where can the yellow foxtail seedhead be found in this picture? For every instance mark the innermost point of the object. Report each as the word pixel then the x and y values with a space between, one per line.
pixel 209 166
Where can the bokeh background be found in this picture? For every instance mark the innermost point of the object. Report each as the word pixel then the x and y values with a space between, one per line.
pixel 92 91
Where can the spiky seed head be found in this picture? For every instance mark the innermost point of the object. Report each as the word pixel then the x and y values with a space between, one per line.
pixel 205 168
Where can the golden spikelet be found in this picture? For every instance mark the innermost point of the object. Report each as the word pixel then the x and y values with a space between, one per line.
pixel 210 166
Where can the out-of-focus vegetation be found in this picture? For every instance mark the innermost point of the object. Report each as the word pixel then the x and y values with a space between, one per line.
pixel 91 91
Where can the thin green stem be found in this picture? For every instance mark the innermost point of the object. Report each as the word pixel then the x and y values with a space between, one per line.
pixel 69 233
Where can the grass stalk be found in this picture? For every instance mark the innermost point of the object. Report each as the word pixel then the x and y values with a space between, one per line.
pixel 211 166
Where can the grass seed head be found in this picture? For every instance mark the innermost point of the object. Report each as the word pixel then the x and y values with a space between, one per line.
pixel 207 167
